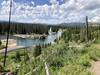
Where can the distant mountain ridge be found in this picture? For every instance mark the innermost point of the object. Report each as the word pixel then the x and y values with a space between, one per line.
pixel 61 24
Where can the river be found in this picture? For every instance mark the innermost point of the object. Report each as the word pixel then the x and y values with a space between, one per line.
pixel 30 42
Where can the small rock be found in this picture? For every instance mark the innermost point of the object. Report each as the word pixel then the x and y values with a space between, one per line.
pixel 10 73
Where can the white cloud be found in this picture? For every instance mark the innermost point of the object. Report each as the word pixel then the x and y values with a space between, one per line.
pixel 89 4
pixel 53 1
pixel 70 11
pixel 96 19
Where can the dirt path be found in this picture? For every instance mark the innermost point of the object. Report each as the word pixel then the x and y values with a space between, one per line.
pixel 11 49
pixel 95 68
pixel 97 46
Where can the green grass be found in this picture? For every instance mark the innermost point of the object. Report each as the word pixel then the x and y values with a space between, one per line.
pixel 66 61
pixel 2 46
pixel 61 59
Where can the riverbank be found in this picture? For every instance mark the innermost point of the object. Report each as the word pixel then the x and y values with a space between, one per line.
pixel 12 42
pixel 11 49
pixel 31 36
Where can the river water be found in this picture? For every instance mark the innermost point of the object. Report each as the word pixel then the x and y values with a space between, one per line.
pixel 30 42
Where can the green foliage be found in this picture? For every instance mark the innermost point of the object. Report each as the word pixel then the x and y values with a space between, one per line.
pixel 66 35
pixel 94 54
pixel 84 61
pixel 73 70
pixel 75 37
pixel 37 51
pixel 1 46
pixel 97 41
pixel 17 57
pixel 56 63
pixel 2 68
pixel 26 57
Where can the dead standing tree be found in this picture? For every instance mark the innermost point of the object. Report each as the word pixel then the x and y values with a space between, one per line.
pixel 87 29
pixel 8 31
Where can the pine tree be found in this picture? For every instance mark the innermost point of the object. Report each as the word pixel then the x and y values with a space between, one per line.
pixel 37 51
pixel 18 57
pixel 0 42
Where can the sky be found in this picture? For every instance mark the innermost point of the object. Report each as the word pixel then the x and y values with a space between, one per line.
pixel 50 11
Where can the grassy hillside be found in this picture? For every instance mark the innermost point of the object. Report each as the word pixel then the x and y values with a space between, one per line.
pixel 62 58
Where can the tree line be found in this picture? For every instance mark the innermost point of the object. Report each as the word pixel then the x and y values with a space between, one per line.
pixel 26 28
